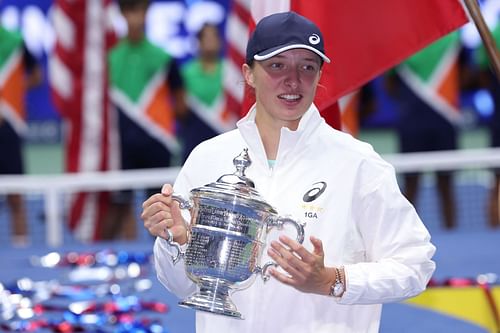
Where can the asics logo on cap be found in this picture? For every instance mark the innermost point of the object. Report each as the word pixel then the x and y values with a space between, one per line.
pixel 314 39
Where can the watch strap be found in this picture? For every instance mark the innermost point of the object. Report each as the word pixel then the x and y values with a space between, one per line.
pixel 337 289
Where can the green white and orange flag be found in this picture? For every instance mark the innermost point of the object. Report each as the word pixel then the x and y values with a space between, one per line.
pixel 349 112
pixel 433 75
pixel 205 96
pixel 12 86
pixel 141 91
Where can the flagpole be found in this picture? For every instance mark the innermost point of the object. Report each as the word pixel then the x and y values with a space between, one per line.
pixel 486 36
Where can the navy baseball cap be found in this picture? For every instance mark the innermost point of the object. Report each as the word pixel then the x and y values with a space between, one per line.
pixel 280 32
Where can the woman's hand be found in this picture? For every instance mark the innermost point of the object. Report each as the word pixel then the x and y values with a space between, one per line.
pixel 161 213
pixel 306 270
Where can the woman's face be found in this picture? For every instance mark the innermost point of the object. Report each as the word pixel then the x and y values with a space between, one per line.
pixel 285 85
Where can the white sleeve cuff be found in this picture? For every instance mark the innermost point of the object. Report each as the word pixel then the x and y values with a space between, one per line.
pixel 170 249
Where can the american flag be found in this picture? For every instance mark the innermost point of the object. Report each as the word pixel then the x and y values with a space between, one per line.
pixel 237 32
pixel 78 80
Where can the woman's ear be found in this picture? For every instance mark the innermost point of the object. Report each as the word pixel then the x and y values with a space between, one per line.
pixel 248 75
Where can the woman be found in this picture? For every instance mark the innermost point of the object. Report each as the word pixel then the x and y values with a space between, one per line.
pixel 365 244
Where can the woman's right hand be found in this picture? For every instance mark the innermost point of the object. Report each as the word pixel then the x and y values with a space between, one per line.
pixel 161 213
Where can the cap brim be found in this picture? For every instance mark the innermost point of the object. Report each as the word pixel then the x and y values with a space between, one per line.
pixel 279 49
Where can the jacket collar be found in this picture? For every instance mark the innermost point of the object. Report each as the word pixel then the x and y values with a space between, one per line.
pixel 289 140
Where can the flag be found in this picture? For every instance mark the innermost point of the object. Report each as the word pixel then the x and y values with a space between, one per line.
pixel 237 33
pixel 362 38
pixel 78 80
pixel 480 54
pixel 432 74
pixel 140 92
pixel 12 87
pixel 205 96
pixel 474 304
pixel 349 112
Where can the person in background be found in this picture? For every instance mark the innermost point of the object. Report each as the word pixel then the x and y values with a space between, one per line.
pixel 429 113
pixel 202 77
pixel 488 80
pixel 364 242
pixel 147 90
pixel 19 71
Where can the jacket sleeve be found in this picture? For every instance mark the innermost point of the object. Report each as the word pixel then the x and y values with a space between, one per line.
pixel 397 245
pixel 172 276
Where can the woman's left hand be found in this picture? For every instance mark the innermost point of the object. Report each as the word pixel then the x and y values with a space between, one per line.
pixel 306 270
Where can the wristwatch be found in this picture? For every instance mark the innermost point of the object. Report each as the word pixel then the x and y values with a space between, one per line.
pixel 337 288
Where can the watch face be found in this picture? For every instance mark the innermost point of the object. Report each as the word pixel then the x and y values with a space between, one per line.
pixel 338 289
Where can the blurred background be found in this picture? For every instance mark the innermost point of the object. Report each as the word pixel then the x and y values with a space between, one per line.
pixel 432 116
pixel 173 26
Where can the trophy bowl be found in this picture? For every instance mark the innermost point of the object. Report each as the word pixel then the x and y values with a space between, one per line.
pixel 226 236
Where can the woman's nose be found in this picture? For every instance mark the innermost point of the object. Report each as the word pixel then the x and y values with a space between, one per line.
pixel 293 78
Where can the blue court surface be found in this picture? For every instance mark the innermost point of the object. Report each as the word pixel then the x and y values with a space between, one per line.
pixel 123 294
pixel 460 254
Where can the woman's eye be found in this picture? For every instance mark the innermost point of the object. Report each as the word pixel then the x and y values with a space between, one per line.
pixel 309 68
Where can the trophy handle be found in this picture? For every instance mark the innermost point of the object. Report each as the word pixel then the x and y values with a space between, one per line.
pixel 279 222
pixel 183 204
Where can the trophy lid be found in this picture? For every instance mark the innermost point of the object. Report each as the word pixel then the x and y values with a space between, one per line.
pixel 236 184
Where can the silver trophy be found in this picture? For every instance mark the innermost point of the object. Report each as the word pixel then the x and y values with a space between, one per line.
pixel 226 237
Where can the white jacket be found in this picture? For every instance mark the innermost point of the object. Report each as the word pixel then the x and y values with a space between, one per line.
pixel 363 220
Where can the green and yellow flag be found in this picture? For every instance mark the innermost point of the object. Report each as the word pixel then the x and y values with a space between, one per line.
pixel 474 304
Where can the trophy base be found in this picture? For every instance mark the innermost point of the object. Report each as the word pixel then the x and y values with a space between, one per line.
pixel 213 297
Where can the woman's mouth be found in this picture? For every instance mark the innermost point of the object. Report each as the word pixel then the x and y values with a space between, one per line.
pixel 290 97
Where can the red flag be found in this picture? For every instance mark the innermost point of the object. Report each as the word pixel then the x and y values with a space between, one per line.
pixel 78 80
pixel 364 38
